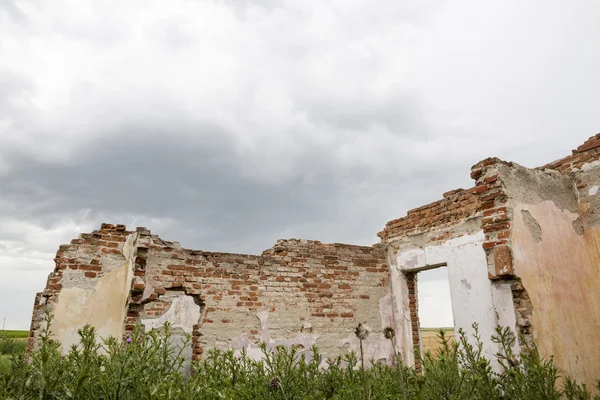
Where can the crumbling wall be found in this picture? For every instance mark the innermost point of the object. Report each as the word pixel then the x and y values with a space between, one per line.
pixel 549 258
pixel 90 284
pixel 456 206
pixel 298 293
pixel 447 232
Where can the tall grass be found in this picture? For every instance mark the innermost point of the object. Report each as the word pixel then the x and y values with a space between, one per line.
pixel 10 348
pixel 148 366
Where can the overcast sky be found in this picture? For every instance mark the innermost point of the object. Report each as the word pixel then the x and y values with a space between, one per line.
pixel 228 124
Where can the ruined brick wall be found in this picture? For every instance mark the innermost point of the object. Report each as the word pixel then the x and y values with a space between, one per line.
pixel 550 257
pixel 540 235
pixel 456 206
pixel 298 293
pixel 434 223
pixel 587 153
pixel 85 271
pixel 411 283
pixel 496 216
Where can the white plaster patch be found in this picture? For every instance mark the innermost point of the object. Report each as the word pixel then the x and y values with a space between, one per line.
pixel 302 341
pixel 100 302
pixel 470 288
pixel 593 191
pixel 435 255
pixel 376 346
pixel 504 310
pixel 590 166
pixel 386 311
pixel 263 316
pixel 184 313
pixel 413 258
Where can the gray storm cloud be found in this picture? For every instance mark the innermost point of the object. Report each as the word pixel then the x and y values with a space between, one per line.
pixel 227 125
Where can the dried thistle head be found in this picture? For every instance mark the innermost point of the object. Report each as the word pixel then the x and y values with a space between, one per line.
pixel 275 384
pixel 362 331
pixel 389 333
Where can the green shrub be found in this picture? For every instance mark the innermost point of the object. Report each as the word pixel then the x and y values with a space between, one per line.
pixel 5 364
pixel 146 366
pixel 12 347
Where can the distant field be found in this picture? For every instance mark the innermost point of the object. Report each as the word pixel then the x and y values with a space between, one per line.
pixel 14 334
pixel 16 344
pixel 429 337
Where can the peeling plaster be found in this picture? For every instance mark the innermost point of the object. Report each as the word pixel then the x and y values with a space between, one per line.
pixel 532 225
pixel 99 302
pixel 375 347
pixel 183 313
pixel 302 341
pixel 148 290
pixel 549 186
pixel 590 166
pixel 561 277
pixel 578 226
pixel 473 299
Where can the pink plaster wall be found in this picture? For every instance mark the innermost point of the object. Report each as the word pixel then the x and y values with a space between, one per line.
pixel 562 276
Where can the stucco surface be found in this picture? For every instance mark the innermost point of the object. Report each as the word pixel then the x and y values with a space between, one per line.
pixel 470 289
pixel 99 302
pixel 297 294
pixel 561 275
pixel 102 306
pixel 183 313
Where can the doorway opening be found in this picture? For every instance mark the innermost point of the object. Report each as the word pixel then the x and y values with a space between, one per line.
pixel 430 308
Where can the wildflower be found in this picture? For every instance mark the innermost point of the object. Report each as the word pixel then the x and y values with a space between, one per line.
pixel 389 333
pixel 129 340
pixel 362 331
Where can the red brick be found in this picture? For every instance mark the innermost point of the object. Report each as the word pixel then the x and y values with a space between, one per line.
pixel 503 264
pixel 590 144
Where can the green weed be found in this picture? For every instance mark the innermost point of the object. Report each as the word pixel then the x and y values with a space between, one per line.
pixel 146 365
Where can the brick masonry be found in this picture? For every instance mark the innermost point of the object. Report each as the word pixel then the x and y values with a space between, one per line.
pixel 83 260
pixel 586 153
pixel 411 281
pixel 306 292
pixel 486 200
pixel 304 285
pixel 456 206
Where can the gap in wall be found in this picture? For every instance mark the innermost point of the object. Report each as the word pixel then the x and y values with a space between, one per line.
pixel 434 306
